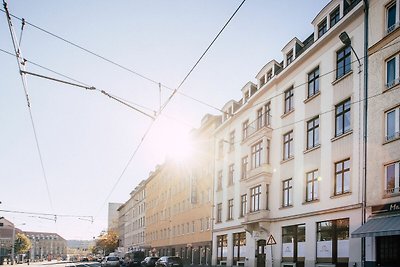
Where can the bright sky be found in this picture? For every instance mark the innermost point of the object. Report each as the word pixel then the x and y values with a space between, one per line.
pixel 86 139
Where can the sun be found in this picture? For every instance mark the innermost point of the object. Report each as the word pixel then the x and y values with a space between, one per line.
pixel 172 139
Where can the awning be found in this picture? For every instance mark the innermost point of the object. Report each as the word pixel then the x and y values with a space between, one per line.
pixel 379 226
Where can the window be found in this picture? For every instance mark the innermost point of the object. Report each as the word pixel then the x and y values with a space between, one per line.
pixel 287 193
pixel 342 177
pixel 243 205
pixel 269 75
pixel 239 243
pixel 245 163
pixel 392 71
pixel 392 173
pixel 262 80
pixel 293 243
pixel 256 155
pixel 343 61
pixel 392 121
pixel 260 118
pixel 267 198
pixel 255 194
pixel 268 150
pixel 232 141
pixel 231 172
pixel 289 102
pixel 289 57
pixel 312 186
pixel 219 182
pixel 219 212
pixel 313 133
pixel 313 82
pixel 391 17
pixel 342 117
pixel 334 17
pixel 288 145
pixel 222 247
pixel 333 242
pixel 322 28
pixel 267 114
pixel 230 209
pixel 245 129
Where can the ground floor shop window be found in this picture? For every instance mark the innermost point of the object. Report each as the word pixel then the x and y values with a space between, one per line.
pixel 388 250
pixel 333 242
pixel 222 247
pixel 239 247
pixel 293 244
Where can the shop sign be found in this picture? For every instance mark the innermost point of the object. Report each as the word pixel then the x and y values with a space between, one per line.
pixel 391 207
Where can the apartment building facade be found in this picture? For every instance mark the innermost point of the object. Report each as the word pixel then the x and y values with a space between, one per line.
pixel 288 168
pixel 382 228
pixel 179 201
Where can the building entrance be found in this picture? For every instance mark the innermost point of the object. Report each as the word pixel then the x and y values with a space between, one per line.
pixel 260 253
pixel 388 250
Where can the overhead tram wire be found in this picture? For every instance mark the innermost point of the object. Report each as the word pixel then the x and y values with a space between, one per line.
pixel 21 67
pixel 48 214
pixel 165 104
pixel 111 61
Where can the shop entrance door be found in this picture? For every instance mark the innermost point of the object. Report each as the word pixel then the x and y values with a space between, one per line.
pixel 260 254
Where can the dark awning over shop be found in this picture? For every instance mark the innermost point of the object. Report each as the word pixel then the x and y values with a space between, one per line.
pixel 379 226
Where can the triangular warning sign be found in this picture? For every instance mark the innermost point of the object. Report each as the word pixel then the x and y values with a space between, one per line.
pixel 271 240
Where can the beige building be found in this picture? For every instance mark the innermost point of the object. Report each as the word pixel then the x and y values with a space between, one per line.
pixel 47 245
pixel 288 169
pixel 382 228
pixel 179 201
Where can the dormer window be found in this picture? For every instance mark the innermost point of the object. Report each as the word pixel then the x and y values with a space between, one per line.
pixel 262 81
pixel 289 57
pixel 269 75
pixel 322 28
pixel 246 96
pixel 334 17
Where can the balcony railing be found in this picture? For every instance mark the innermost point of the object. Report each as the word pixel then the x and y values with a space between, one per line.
pixel 260 123
pixel 391 191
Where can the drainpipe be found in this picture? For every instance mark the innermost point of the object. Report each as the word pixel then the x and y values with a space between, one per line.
pixel 365 120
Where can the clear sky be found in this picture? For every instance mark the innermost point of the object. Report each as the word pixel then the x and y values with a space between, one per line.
pixel 86 139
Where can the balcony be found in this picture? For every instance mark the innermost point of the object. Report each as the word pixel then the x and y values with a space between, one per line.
pixel 264 169
pixel 256 216
pixel 258 128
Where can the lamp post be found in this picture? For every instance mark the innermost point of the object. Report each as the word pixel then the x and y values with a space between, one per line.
pixel 13 244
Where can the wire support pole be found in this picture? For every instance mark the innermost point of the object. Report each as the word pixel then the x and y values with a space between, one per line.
pixel 21 67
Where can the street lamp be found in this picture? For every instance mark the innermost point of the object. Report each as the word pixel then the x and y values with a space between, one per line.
pixel 13 244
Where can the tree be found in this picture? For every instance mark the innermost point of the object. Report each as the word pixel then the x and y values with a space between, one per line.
pixel 107 242
pixel 22 244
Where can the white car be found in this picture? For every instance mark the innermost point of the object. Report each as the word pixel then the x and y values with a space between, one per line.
pixel 110 261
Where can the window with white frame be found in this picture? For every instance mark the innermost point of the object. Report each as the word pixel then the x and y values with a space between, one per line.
pixel 243 205
pixel 312 186
pixel 255 195
pixel 313 82
pixel 260 118
pixel 342 117
pixel 342 177
pixel 343 61
pixel 322 28
pixel 219 212
pixel 288 145
pixel 392 124
pixel 392 71
pixel 289 100
pixel 230 209
pixel 392 17
pixel 313 133
pixel 256 154
pixel 392 181
pixel 232 141
pixel 219 181
pixel 245 163
pixel 231 173
pixel 245 129
pixel 334 17
pixel 287 190
pixel 269 75
pixel 267 114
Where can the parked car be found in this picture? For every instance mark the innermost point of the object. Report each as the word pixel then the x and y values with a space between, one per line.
pixel 134 258
pixel 149 261
pixel 169 261
pixel 110 261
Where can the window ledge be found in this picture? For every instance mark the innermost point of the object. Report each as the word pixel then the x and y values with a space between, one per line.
pixel 286 207
pixel 311 149
pixel 342 135
pixel 310 201
pixel 395 86
pixel 287 113
pixel 341 195
pixel 391 140
pixel 286 160
pixel 342 78
pixel 311 97
pixel 389 195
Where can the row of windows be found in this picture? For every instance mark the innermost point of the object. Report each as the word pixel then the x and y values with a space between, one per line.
pixel 181 229
pixel 334 17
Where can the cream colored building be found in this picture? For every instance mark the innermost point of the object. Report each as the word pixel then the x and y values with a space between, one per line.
pixel 289 167
pixel 179 201
pixel 382 228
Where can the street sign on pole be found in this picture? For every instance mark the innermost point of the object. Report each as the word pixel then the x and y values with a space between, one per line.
pixel 271 240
